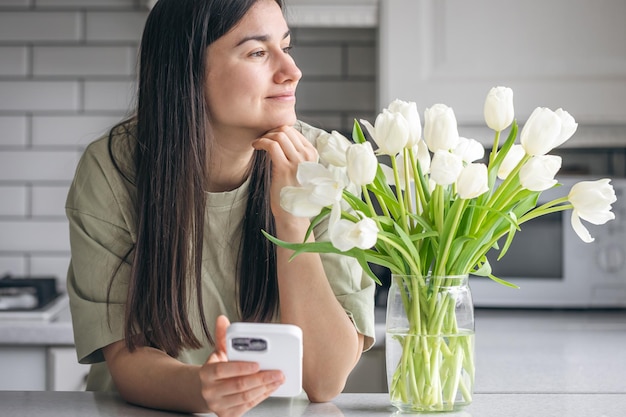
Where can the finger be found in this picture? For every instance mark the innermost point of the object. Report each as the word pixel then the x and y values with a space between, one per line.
pixel 216 357
pixel 262 379
pixel 273 148
pixel 239 404
pixel 221 325
pixel 292 144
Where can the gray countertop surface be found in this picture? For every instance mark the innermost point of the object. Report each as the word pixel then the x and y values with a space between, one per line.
pixel 87 404
pixel 528 363
pixel 55 331
pixel 517 351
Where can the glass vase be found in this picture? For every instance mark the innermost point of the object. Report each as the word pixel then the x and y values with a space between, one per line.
pixel 430 343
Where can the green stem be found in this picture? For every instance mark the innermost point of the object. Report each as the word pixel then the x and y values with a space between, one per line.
pixel 494 149
pixel 400 195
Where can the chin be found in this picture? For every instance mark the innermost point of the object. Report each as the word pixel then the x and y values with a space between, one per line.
pixel 283 120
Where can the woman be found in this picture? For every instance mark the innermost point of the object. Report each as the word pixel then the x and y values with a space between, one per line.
pixel 165 217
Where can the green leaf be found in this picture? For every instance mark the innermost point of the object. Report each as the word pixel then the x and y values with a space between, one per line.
pixel 356 203
pixel 509 237
pixel 503 282
pixel 408 243
pixel 316 221
pixel 484 268
pixel 357 133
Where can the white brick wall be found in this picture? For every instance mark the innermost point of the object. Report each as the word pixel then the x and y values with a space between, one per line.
pixel 67 72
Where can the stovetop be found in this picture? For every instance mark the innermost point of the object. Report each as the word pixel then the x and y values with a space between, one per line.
pixel 49 312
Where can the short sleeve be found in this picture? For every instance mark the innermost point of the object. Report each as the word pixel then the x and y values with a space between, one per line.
pixel 101 243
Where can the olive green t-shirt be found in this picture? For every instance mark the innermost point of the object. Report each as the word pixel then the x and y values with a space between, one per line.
pixel 101 211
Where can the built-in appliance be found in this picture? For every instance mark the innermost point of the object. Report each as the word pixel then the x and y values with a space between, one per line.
pixel 30 298
pixel 554 268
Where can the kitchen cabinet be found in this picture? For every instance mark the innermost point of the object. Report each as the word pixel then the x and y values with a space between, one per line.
pixel 37 352
pixel 41 368
pixel 22 368
pixel 369 374
pixel 561 53
pixel 64 373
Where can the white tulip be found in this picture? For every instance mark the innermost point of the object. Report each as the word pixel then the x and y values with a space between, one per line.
pixel 296 200
pixel 362 163
pixel 510 161
pixel 546 129
pixel 423 156
pixel 472 181
pixel 469 150
pixel 440 128
pixel 445 168
pixel 499 111
pixel 409 111
pixel 320 187
pixel 592 202
pixel 390 132
pixel 538 173
pixel 345 234
pixel 332 147
pixel 568 126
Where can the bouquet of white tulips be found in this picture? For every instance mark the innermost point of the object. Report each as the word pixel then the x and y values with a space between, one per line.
pixel 436 211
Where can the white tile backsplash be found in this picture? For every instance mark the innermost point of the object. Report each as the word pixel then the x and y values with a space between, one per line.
pixel 33 166
pixel 74 131
pixel 115 96
pixel 30 235
pixel 115 26
pixel 347 95
pixel 27 96
pixel 49 201
pixel 67 73
pixel 319 61
pixel 86 4
pixel 13 200
pixel 13 130
pixel 13 265
pixel 73 61
pixel 29 26
pixel 14 60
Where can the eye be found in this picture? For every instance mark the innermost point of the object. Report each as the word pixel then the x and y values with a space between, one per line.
pixel 258 54
pixel 287 49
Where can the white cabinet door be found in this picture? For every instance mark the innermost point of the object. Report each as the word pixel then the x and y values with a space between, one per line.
pixel 369 374
pixel 22 368
pixel 64 372
pixel 557 53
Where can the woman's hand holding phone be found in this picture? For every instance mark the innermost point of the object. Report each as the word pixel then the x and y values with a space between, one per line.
pixel 230 388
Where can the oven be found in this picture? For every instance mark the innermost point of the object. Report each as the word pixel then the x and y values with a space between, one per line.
pixel 554 268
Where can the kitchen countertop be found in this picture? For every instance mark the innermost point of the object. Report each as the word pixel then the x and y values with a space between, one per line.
pixel 88 404
pixel 528 363
pixel 33 332
pixel 529 351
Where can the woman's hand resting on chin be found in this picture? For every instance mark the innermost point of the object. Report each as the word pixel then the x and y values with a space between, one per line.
pixel 287 147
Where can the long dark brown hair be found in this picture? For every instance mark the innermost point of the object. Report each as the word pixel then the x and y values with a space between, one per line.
pixel 172 127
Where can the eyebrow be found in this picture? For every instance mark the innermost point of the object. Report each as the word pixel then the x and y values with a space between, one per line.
pixel 260 38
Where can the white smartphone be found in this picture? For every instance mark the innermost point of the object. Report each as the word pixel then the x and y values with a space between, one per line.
pixel 273 346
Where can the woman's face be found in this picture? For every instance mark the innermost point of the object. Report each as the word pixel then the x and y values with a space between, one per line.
pixel 251 78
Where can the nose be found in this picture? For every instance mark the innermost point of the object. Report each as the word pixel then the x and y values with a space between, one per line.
pixel 287 70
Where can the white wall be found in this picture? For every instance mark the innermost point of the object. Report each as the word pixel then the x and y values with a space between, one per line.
pixel 67 71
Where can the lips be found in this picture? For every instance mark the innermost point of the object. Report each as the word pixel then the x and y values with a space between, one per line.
pixel 285 95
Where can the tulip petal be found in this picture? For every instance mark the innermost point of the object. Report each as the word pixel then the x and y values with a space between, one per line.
pixel 580 230
pixel 445 168
pixel 295 200
pixel 473 181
